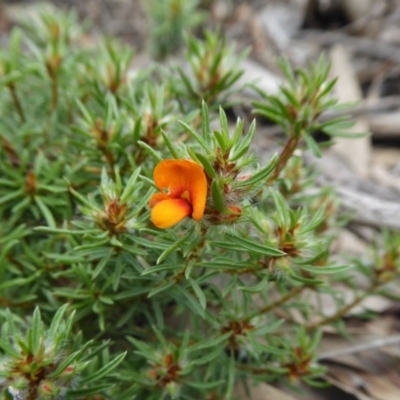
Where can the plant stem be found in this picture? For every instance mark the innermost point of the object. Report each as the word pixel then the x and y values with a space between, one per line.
pixel 284 157
pixel 284 299
pixel 9 303
pixel 54 92
pixel 192 256
pixel 110 160
pixel 343 311
pixel 17 102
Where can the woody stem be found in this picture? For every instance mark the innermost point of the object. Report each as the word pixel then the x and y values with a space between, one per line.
pixel 16 101
pixel 193 255
pixel 284 299
pixel 284 157
pixel 343 311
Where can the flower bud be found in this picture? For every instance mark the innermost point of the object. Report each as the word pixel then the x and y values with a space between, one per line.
pixel 47 389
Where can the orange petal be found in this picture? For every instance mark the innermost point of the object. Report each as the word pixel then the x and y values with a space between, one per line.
pixel 156 198
pixel 178 176
pixel 169 212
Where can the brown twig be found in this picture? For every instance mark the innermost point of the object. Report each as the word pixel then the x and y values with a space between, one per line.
pixel 343 311
pixel 17 102
pixel 287 152
pixel 278 303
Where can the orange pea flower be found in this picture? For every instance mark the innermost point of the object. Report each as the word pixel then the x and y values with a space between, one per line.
pixel 183 187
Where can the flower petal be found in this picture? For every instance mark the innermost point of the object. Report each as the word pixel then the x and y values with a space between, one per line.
pixel 156 198
pixel 169 212
pixel 179 176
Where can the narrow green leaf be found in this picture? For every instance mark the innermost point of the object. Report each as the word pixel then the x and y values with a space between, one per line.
pixel 239 150
pixel 254 247
pixel 3 254
pixel 101 373
pixel 195 135
pixel 155 154
pixel 230 286
pixel 91 390
pixel 192 303
pixel 313 145
pixel 208 356
pixel 205 121
pixel 175 245
pixel 312 260
pixel 274 116
pixel 36 331
pixel 327 87
pixel 87 115
pixel 217 196
pixel 224 124
pixel 333 131
pixel 160 268
pixel 170 146
pixel 261 175
pixel 9 327
pixel 282 209
pixel 82 199
pixel 231 377
pixel 291 97
pixel 208 343
pixel 223 144
pixel 332 269
pixel 286 68
pixel 149 181
pixel 308 281
pixel 10 196
pixel 102 263
pixel 11 77
pixel 19 281
pixel 10 350
pixel 187 83
pixel 260 287
pixel 161 287
pixel 204 385
pixel 263 330
pixel 130 186
pixel 66 363
pixel 199 293
pixel 207 165
pixel 238 132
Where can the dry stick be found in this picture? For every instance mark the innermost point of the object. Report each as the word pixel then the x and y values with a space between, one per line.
pixel 391 340
pixel 375 48
pixel 343 311
pixel 16 101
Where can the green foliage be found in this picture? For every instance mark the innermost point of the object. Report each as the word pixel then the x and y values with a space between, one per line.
pixel 213 70
pixel 183 312
pixel 49 363
pixel 170 21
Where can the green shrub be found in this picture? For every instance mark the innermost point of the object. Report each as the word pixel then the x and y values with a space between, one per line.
pixel 141 214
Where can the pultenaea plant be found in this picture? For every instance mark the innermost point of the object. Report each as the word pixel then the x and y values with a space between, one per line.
pixel 165 258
